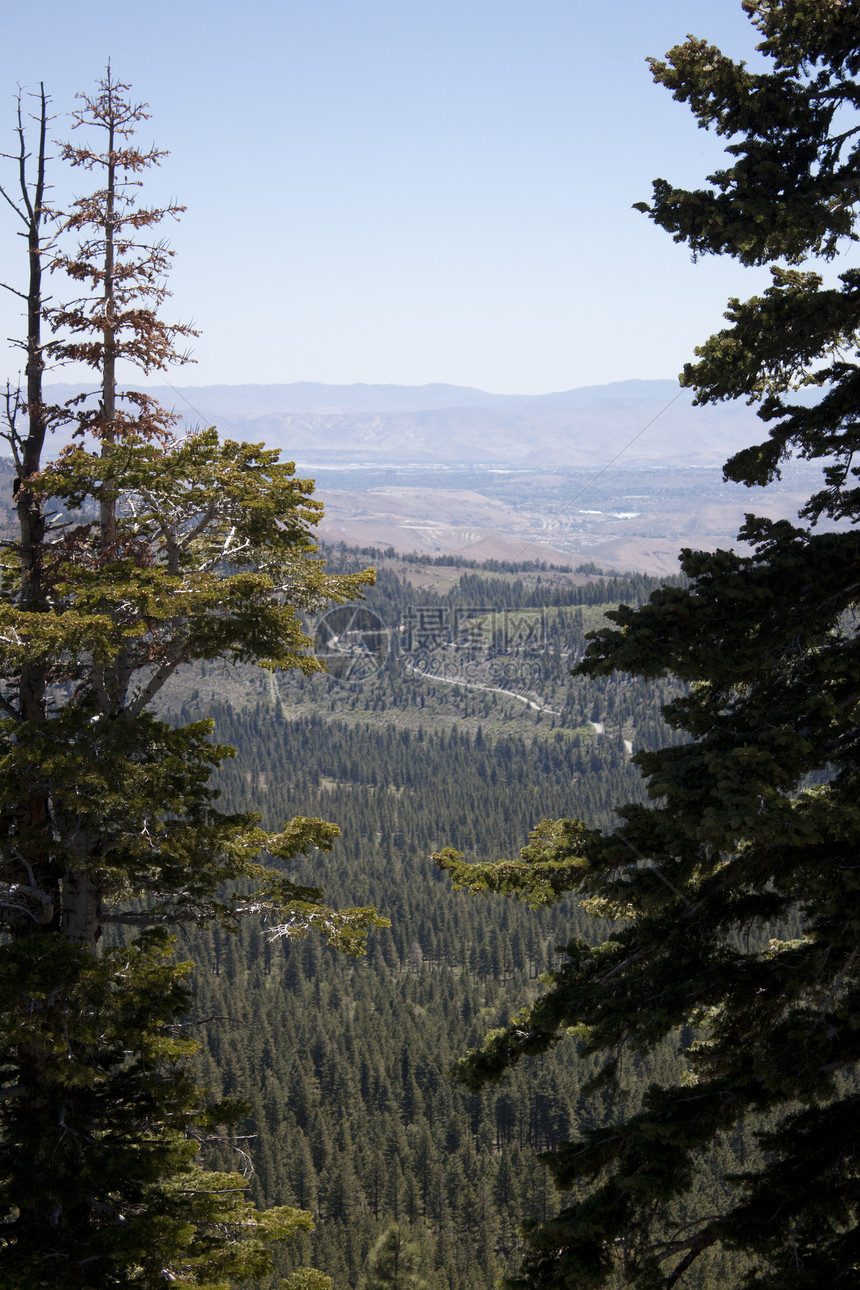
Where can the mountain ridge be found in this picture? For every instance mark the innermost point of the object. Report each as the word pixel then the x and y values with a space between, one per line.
pixel 648 422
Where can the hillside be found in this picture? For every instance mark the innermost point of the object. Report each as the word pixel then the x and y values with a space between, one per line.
pixel 448 716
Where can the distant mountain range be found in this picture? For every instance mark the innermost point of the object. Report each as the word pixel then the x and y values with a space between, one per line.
pixel 644 423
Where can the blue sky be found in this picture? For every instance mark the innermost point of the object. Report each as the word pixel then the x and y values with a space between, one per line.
pixel 406 192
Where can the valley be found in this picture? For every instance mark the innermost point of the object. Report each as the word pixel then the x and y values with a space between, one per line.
pixel 623 474
pixel 447 716
pixel 621 518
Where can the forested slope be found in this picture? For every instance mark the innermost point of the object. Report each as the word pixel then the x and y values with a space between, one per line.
pixel 345 1062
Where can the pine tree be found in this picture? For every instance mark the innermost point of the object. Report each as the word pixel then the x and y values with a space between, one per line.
pixel 736 892
pixel 307 1279
pixel 393 1263
pixel 197 550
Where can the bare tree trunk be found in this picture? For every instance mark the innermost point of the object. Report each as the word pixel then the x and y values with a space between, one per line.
pixel 31 511
pixel 82 908
pixel 108 504
pixel 36 877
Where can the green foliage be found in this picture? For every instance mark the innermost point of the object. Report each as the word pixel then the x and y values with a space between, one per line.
pixel 735 890
pixel 393 1263
pixel 345 1061
pixel 307 1279
pixel 201 551
pixel 103 1125
pixel 548 866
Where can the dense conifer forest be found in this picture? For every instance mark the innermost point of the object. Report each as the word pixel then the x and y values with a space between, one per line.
pixel 689 1014
pixel 345 1062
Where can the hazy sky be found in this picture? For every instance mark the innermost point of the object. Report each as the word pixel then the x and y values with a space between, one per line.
pixel 397 191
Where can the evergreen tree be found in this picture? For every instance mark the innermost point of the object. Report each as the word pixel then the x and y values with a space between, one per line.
pixel 393 1263
pixel 196 550
pixel 736 891
pixel 307 1279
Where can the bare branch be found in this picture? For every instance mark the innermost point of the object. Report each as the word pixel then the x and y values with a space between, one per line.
pixel 149 691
